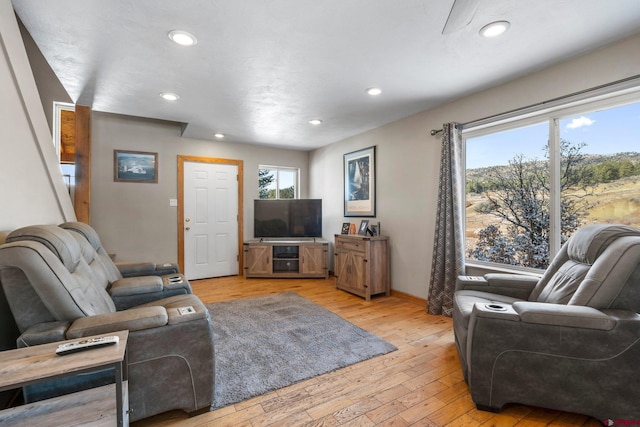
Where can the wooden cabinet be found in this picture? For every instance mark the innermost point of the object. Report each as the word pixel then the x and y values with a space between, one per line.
pixel 286 259
pixel 362 265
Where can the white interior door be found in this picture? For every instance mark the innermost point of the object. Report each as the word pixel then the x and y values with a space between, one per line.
pixel 210 220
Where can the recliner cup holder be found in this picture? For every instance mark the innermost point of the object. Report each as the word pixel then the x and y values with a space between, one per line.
pixel 496 307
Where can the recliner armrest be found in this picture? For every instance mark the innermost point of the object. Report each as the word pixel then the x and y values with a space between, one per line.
pixel 134 269
pixel 43 333
pixel 133 319
pixel 136 286
pixel 512 285
pixel 563 315
pixel 512 280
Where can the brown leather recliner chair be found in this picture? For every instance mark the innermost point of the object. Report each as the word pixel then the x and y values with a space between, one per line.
pixel 52 294
pixel 568 341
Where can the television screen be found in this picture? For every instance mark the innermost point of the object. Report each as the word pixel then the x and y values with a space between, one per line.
pixel 287 218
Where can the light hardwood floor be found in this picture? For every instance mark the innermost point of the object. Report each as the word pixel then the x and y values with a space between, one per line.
pixel 421 384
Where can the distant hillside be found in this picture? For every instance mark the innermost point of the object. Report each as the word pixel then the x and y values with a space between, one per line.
pixel 482 174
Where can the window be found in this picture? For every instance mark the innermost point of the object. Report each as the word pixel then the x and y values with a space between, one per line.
pixel 532 183
pixel 64 141
pixel 276 182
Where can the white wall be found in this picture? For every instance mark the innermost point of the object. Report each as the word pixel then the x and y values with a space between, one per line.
pixel 408 156
pixel 32 190
pixel 49 87
pixel 135 220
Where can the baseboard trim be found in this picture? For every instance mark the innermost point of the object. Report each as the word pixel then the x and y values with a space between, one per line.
pixel 409 298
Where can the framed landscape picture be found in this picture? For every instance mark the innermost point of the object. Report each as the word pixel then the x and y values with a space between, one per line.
pixel 360 183
pixel 135 166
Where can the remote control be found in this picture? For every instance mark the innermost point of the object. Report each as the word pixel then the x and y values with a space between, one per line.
pixel 86 344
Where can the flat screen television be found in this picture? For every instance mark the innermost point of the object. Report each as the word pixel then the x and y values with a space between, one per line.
pixel 287 218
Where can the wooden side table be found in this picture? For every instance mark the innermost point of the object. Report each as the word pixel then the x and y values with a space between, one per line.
pixel 95 406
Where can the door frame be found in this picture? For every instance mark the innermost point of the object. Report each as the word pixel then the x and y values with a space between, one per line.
pixel 197 159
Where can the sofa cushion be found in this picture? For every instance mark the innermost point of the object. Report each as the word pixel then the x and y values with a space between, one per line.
pixel 564 282
pixel 55 239
pixel 591 240
pixel 87 233
pixel 612 282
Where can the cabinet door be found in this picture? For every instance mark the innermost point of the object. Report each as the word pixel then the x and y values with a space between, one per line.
pixel 258 259
pixel 314 260
pixel 339 263
pixel 350 268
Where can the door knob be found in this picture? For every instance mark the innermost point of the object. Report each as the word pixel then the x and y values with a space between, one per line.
pixel 187 219
pixel 187 228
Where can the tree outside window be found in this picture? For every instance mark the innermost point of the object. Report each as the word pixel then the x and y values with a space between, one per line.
pixel 277 182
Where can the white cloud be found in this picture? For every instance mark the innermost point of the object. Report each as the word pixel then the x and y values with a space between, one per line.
pixel 580 122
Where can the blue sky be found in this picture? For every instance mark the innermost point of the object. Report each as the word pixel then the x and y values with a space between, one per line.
pixel 608 131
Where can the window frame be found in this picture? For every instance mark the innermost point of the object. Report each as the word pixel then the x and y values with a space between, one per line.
pixel 551 112
pixel 58 107
pixel 278 169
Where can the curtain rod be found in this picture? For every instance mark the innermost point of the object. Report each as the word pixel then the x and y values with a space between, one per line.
pixel 626 83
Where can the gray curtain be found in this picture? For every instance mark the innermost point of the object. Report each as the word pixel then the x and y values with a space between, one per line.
pixel 448 245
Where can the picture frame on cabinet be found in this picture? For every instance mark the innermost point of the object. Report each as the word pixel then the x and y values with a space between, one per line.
pixel 135 166
pixel 360 183
pixel 345 227
pixel 364 226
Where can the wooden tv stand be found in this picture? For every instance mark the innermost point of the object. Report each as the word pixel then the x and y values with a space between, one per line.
pixel 286 258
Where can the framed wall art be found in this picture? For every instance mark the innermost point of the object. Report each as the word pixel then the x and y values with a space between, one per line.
pixel 360 183
pixel 135 166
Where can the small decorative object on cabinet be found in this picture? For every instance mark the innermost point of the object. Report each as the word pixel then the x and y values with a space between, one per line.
pixel 362 265
pixel 286 259
pixel 364 226
pixel 345 227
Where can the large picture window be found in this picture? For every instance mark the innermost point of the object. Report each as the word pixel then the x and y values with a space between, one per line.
pixel 531 185
pixel 276 182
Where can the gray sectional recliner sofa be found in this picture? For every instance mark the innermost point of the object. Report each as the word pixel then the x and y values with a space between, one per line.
pixel 58 288
pixel 568 341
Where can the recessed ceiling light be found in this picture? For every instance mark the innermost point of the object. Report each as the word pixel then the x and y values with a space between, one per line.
pixel 373 91
pixel 168 96
pixel 315 122
pixel 182 38
pixel 219 135
pixel 494 29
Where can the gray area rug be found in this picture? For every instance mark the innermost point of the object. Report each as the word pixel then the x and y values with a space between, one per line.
pixel 269 342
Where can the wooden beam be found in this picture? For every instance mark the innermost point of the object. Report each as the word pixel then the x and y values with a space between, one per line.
pixel 82 195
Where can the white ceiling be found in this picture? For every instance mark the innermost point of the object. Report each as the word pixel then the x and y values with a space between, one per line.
pixel 262 68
